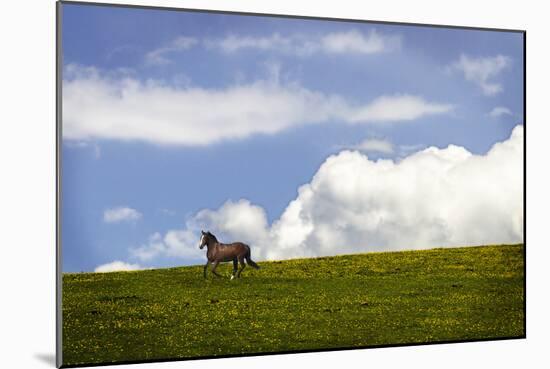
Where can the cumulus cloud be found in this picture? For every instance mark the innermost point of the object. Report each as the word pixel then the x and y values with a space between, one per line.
pixel 346 42
pixel 432 198
pixel 482 71
pixel 175 243
pixel 116 266
pixel 240 219
pixel 102 106
pixel 121 214
pixel 160 55
pixel 500 111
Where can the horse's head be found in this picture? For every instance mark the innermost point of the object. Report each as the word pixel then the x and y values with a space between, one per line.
pixel 205 237
pixel 202 241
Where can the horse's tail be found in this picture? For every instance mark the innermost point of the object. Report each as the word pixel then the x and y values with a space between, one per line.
pixel 249 261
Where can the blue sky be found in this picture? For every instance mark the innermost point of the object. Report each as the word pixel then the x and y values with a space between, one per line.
pixel 142 142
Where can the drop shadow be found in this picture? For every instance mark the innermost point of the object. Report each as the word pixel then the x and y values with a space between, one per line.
pixel 46 358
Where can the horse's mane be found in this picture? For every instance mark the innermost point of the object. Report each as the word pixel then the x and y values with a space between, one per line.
pixel 212 236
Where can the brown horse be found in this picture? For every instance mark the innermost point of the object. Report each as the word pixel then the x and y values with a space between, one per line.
pixel 220 252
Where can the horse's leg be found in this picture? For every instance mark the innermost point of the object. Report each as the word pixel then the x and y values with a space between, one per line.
pixel 214 266
pixel 235 266
pixel 243 265
pixel 206 267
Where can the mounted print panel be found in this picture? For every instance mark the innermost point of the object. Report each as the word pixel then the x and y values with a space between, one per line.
pixel 239 184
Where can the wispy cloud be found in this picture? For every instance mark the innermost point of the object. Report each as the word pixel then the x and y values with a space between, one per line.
pixel 405 150
pixel 234 43
pixel 348 42
pixel 482 71
pixel 121 214
pixel 351 41
pixel 398 108
pixel 374 145
pixel 105 107
pixel 160 56
pixel 354 41
pixel 168 212
pixel 500 111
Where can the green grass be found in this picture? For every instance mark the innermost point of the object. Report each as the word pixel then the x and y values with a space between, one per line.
pixel 331 302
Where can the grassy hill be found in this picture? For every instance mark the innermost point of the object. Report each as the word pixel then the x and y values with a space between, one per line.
pixel 303 304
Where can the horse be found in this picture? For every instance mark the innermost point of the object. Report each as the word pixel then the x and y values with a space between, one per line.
pixel 221 252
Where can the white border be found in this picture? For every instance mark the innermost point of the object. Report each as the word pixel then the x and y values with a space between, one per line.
pixel 27 194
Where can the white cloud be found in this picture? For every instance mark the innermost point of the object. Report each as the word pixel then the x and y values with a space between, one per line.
pixel 398 108
pixel 117 266
pixel 349 42
pixel 374 145
pixel 356 42
pixel 160 56
pixel 499 111
pixel 234 43
pixel 175 243
pixel 407 149
pixel 432 198
pixel 240 219
pixel 106 107
pixel 483 70
pixel 121 214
